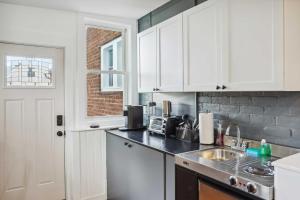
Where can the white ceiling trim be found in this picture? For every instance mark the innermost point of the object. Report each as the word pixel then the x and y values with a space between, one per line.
pixel 132 9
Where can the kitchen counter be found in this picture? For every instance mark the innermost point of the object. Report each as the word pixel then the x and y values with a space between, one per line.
pixel 167 145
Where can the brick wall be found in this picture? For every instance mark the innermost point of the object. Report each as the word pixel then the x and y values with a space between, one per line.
pixel 100 103
pixel 274 116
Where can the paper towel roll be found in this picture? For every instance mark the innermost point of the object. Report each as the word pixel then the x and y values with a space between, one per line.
pixel 206 128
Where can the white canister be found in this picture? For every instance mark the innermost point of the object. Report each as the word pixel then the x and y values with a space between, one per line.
pixel 206 128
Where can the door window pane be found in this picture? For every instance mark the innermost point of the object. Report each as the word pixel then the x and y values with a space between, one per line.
pixel 28 72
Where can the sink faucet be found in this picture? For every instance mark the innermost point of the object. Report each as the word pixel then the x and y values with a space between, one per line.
pixel 238 145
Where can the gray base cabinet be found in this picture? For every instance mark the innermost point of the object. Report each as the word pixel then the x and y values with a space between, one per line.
pixel 170 177
pixel 134 172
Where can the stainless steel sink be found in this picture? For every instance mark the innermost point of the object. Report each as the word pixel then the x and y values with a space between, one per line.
pixel 220 154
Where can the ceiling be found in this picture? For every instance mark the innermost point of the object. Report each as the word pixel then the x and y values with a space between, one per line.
pixel 120 8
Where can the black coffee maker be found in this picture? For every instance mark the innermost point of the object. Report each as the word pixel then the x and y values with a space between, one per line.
pixel 134 118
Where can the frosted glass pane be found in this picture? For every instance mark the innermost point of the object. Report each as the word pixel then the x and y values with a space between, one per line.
pixel 28 72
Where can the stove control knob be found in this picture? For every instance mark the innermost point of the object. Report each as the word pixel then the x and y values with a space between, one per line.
pixel 251 188
pixel 233 180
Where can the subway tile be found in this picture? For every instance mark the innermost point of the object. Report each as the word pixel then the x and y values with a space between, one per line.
pixel 291 101
pixel 208 107
pixel 221 116
pixel 240 100
pixel 294 110
pixel 251 109
pixel 204 99
pixel 241 119
pixel 289 122
pixel 264 101
pixel 276 110
pixel 229 109
pixel 262 120
pixel 220 100
pixel 270 132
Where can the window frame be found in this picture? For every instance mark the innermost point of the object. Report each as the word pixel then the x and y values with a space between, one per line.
pixel 130 96
pixel 122 72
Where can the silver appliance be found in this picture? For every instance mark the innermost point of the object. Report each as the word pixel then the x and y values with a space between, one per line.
pixel 155 124
pixel 166 108
pixel 250 175
pixel 164 125
pixel 231 167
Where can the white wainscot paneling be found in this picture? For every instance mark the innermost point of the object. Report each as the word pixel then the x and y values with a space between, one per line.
pixel 86 152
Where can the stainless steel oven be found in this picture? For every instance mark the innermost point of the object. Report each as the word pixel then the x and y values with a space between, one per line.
pixel 210 191
pixel 191 185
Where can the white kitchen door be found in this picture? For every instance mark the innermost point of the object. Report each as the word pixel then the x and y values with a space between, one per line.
pixel 31 140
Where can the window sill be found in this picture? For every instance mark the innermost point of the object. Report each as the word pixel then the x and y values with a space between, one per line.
pixel 104 122
pixel 85 129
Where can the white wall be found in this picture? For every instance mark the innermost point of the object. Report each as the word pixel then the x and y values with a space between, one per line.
pixel 35 26
pixel 47 27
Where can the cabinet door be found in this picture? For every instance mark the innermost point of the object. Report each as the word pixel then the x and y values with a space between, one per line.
pixel 117 168
pixel 146 174
pixel 147 60
pixel 254 45
pixel 186 184
pixel 201 27
pixel 170 55
pixel 170 177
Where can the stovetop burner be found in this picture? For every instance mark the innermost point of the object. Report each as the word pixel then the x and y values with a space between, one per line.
pixel 263 170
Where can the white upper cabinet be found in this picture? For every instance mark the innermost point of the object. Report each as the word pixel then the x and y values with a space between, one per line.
pixel 292 45
pixel 228 45
pixel 202 59
pixel 160 57
pixel 170 55
pixel 147 60
pixel 253 45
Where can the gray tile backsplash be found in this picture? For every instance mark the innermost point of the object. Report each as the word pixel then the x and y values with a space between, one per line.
pixel 274 116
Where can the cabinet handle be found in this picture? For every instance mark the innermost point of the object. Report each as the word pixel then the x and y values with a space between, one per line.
pixel 154 89
pixel 218 87
pixel 129 145
pixel 125 143
pixel 223 87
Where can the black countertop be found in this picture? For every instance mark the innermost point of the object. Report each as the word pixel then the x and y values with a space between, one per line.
pixel 167 145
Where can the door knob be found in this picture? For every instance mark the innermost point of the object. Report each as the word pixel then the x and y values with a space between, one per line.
pixel 223 87
pixel 218 87
pixel 59 133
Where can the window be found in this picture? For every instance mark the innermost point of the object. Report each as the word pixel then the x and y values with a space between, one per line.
pixel 105 72
pixel 112 66
pixel 28 72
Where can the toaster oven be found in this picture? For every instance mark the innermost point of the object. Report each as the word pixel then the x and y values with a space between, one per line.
pixel 164 125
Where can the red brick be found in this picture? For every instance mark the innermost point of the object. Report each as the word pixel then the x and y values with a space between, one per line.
pixel 100 103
